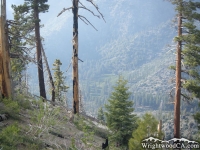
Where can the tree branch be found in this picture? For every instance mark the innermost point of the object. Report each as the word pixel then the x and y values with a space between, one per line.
pixel 80 59
pixel 185 71
pixel 97 8
pixel 170 93
pixel 69 66
pixel 87 21
pixel 90 11
pixel 83 21
pixel 64 9
pixel 186 97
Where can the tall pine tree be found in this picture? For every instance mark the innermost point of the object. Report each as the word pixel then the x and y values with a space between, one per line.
pixel 187 73
pixel 119 115
pixel 29 12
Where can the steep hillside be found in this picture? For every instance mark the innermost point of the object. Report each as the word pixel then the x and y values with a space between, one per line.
pixel 143 59
pixel 27 124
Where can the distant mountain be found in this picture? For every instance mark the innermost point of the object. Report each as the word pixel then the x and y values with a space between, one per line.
pixel 143 59
pixel 123 18
pixel 133 42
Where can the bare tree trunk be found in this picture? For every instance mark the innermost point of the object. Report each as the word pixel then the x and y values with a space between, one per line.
pixel 75 58
pixel 39 56
pixel 50 76
pixel 5 74
pixel 178 80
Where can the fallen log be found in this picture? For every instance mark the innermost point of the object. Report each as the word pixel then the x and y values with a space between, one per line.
pixel 57 134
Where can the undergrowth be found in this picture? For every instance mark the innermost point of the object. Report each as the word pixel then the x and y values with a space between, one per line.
pixel 12 138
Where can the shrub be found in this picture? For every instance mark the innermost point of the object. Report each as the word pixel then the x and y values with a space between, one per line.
pixel 11 108
pixel 9 137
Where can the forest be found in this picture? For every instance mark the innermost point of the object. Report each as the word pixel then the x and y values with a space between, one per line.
pixel 97 74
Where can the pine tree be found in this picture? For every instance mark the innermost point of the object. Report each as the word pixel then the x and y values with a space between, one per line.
pixel 59 81
pixel 29 12
pixel 100 115
pixel 18 51
pixel 147 126
pixel 119 115
pixel 190 44
pixel 191 51
pixel 18 65
pixel 192 48
pixel 188 50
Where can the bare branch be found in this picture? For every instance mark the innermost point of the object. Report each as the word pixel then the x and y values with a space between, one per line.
pixel 186 97
pixel 14 55
pixel 87 21
pixel 185 71
pixel 89 11
pixel 83 21
pixel 170 93
pixel 80 59
pixel 82 4
pixel 69 66
pixel 64 9
pixel 97 8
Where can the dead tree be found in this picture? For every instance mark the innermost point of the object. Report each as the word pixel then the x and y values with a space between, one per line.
pixel 5 73
pixel 49 74
pixel 75 58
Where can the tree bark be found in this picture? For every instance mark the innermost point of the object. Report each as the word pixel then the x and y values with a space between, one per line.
pixel 38 47
pixel 178 80
pixel 5 74
pixel 50 76
pixel 75 58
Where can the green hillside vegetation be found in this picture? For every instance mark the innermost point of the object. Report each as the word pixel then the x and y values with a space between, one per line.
pixel 33 125
pixel 142 59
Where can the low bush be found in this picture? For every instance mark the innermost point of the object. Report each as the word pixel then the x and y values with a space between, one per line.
pixel 10 107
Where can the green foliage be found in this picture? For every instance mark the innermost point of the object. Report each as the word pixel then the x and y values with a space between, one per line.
pixel 147 126
pixel 22 38
pixel 29 5
pixel 89 130
pixel 190 48
pixel 18 65
pixel 44 118
pixel 119 115
pixel 100 115
pixel 59 82
pixel 72 146
pixel 88 137
pixel 197 119
pixel 172 67
pixel 101 132
pixel 11 108
pixel 11 138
